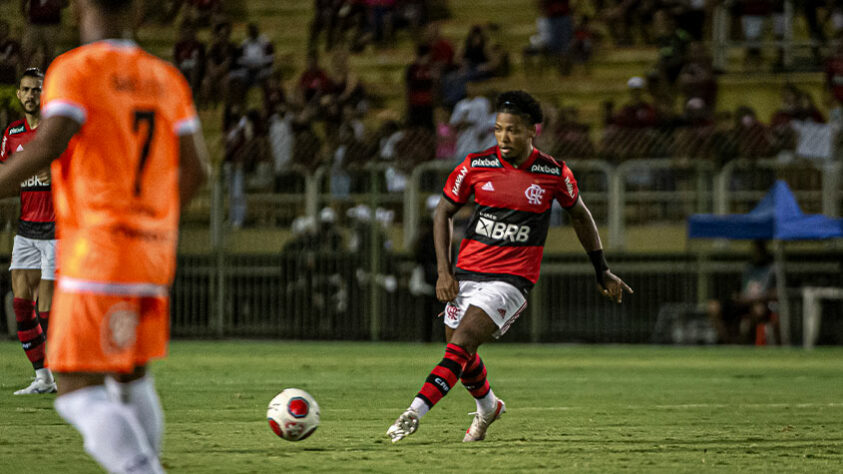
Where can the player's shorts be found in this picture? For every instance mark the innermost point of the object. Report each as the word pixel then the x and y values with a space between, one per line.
pixel 107 327
pixel 500 301
pixel 34 254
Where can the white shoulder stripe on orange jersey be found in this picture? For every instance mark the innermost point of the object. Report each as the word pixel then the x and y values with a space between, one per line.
pixel 65 108
pixel 187 126
pixel 75 285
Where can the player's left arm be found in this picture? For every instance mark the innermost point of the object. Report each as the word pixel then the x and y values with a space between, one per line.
pixel 610 285
pixel 54 133
pixel 194 165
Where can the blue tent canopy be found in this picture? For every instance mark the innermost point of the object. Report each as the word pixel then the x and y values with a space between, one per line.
pixel 777 216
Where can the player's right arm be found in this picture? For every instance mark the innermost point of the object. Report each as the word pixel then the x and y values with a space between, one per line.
pixel 443 230
pixel 458 189
pixel 194 165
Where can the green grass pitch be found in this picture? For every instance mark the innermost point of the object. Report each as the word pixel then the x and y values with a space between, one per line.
pixel 571 408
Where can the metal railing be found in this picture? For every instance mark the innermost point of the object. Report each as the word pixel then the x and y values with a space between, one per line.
pixel 721 22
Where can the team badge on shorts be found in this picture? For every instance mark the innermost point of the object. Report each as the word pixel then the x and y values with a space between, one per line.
pixel 452 313
pixel 119 330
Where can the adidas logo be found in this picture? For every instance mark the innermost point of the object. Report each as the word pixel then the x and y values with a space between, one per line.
pixel 488 186
pixel 20 148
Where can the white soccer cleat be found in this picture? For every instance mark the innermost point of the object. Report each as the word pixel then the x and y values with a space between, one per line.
pixel 404 426
pixel 38 386
pixel 477 430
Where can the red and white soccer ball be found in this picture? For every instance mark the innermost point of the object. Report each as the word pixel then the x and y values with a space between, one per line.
pixel 293 414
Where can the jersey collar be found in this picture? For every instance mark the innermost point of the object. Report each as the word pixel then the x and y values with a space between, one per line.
pixel 527 163
pixel 119 43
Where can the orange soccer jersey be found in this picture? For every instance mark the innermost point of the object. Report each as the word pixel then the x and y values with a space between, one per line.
pixel 116 193
pixel 116 188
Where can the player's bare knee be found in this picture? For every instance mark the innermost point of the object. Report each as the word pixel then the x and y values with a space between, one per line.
pixel 68 382
pixel 138 373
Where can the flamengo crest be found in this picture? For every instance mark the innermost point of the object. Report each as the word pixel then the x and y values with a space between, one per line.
pixel 534 194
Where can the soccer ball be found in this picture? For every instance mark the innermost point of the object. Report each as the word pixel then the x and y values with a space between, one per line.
pixel 293 414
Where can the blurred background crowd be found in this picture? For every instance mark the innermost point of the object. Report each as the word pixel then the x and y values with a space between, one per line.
pixel 403 82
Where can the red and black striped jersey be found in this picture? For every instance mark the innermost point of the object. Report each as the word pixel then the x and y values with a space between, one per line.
pixel 37 217
pixel 506 234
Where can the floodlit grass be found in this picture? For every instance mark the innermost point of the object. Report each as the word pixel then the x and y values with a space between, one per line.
pixel 571 408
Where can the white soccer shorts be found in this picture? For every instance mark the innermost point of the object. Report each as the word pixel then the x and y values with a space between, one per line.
pixel 500 301
pixel 34 254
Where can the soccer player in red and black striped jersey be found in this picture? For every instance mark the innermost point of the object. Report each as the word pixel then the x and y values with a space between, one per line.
pixel 514 186
pixel 34 251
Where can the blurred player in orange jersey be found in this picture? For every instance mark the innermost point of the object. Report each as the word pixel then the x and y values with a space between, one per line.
pixel 134 155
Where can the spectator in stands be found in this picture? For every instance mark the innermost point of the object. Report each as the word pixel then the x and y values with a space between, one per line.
pixel 189 55
pixel 416 146
pixel 328 236
pixel 478 60
pixel 834 73
pixel 307 146
pixel 10 69
pixel 421 79
pixel 475 57
pixel 382 21
pixel 694 136
pixel 797 106
pixel 474 122
pixel 411 14
pixel 446 135
pixel 637 113
pixel 43 18
pixel 347 89
pixel 221 61
pixel 314 82
pixel 697 79
pixel 560 29
pixel 630 132
pixel 672 43
pixel 624 15
pixel 690 17
pixel 350 155
pixel 582 46
pixel 441 49
pixel 563 135
pixel 281 141
pixel 204 13
pixel 353 21
pixel 326 19
pixel 243 149
pixel 752 138
pixel 738 318
pixel 274 97
pixel 753 14
pixel 257 55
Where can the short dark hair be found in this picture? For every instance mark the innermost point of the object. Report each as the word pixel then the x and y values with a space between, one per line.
pixel 519 103
pixel 32 72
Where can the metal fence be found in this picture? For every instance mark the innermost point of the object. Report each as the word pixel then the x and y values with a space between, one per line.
pixel 324 296
pixel 634 192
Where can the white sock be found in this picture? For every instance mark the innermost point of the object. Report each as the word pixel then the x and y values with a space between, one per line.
pixel 140 396
pixel 419 406
pixel 44 374
pixel 112 434
pixel 488 403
